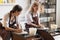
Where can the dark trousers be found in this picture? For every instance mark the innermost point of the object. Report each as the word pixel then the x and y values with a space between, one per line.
pixel 41 33
pixel 45 35
pixel 6 35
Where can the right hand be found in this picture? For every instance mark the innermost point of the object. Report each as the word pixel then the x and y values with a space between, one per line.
pixel 38 26
pixel 41 26
pixel 18 30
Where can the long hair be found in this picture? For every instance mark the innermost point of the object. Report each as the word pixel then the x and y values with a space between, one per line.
pixel 35 4
pixel 15 8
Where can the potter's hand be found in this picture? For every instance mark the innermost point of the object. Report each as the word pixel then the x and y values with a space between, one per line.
pixel 41 26
pixel 18 30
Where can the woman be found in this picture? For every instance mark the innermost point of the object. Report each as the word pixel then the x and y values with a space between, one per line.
pixel 32 20
pixel 32 17
pixel 10 21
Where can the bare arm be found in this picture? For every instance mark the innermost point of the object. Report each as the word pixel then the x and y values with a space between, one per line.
pixel 40 25
pixel 8 28
pixel 13 30
pixel 33 24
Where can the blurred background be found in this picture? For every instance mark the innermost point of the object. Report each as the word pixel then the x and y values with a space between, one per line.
pixel 49 13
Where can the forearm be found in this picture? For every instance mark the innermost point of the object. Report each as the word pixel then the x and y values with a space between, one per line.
pixel 13 30
pixel 9 29
pixel 34 24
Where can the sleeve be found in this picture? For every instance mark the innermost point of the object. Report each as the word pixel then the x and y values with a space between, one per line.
pixel 28 18
pixel 5 20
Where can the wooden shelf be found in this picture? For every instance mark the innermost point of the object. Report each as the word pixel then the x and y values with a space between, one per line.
pixel 8 4
pixel 50 11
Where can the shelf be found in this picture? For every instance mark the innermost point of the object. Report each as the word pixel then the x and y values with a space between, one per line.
pixel 49 10
pixel 48 22
pixel 8 4
pixel 47 19
pixel 51 13
pixel 51 4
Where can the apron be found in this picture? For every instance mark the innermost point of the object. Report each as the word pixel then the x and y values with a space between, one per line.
pixel 41 33
pixel 6 35
pixel 3 33
pixel 35 21
pixel 14 25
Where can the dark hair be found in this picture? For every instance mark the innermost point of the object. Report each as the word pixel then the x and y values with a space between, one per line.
pixel 16 8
